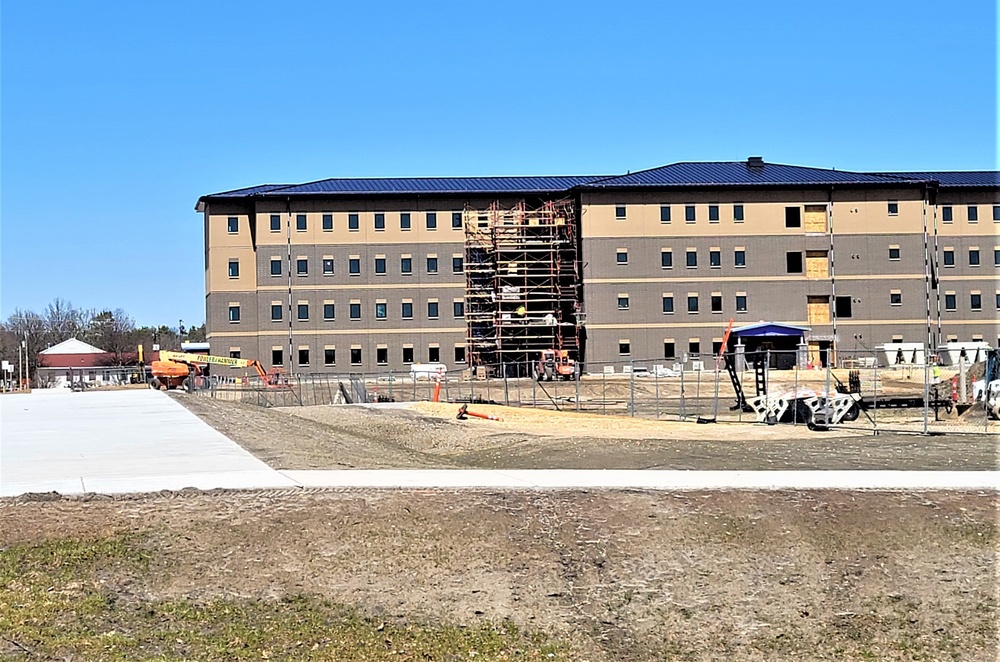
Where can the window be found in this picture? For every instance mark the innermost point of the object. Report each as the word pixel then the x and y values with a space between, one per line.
pixel 996 257
pixel 715 258
pixel 277 357
pixel 382 355
pixel 976 301
pixel 669 350
pixel 667 259
pixel 842 307
pixel 329 356
pixel 407 355
pixel 998 300
pixel 950 301
pixel 303 312
pixel 623 302
pixel 233 225
pixel 234 313
pixel 973 257
pixel 893 208
pixel 895 298
pixel 692 258
pixel 303 356
pixel 946 215
pixel 456 265
pixel 741 303
pixel 407 310
pixel 380 266
pixel 432 220
pixel 329 311
pixel 456 220
pixel 302 267
pixel 713 213
pixel 716 303
pixel 355 356
pixel 624 347
pixel 380 310
pixel 668 304
pixel 621 256
pixel 948 257
pixel 620 212
pixel 434 354
pixel 689 214
pixel 406 265
pixel 275 223
pixel 404 220
pixel 352 222
pixel 458 308
pixel 692 303
pixel 234 354
pixel 275 266
pixel 694 347
pixel 996 212
pixel 354 266
pixel 355 310
pixel 894 252
pixel 432 265
pixel 738 213
pixel 234 268
pixel 459 353
pixel 664 213
pixel 327 266
pixel 793 217
pixel 327 222
pixel 379 221
pixel 300 222
pixel 432 310
pixel 276 312
pixel 740 257
pixel 793 263
pixel 973 212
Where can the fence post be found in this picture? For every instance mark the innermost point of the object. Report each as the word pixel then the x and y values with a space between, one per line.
pixel 534 391
pixel 927 394
pixel 875 392
pixel 683 413
pixel 506 392
pixel 604 392
pixel 413 378
pixel 631 388
pixel 576 380
pixel 795 399
pixel 656 391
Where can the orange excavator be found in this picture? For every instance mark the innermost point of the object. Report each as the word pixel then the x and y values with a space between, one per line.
pixel 176 369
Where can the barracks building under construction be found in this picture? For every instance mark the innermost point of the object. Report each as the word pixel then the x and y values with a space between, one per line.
pixel 352 275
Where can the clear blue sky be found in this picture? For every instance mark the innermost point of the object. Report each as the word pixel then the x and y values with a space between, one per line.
pixel 117 116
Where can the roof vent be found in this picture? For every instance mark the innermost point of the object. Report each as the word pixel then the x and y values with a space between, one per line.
pixel 755 162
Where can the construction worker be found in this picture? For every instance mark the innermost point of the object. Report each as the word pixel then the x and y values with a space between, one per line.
pixel 521 311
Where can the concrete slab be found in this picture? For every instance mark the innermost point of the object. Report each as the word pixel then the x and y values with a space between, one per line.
pixel 117 442
pixel 650 479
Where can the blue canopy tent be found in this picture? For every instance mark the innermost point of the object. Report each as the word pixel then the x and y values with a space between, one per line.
pixel 782 340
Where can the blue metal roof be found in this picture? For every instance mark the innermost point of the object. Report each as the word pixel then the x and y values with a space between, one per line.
pixel 960 179
pixel 739 173
pixel 419 185
pixel 769 329
pixel 243 192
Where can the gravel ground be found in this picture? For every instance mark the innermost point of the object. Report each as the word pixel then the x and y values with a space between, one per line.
pixel 426 435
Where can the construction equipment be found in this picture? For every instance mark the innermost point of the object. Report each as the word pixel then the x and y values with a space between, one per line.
pixel 555 363
pixel 176 369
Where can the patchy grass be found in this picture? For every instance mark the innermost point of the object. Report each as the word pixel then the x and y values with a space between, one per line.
pixel 71 599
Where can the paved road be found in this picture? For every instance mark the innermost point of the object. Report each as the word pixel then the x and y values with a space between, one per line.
pixel 143 441
pixel 116 442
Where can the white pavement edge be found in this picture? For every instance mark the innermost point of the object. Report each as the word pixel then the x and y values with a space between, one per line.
pixel 646 479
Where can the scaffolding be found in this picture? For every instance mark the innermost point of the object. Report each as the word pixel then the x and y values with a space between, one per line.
pixel 522 292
